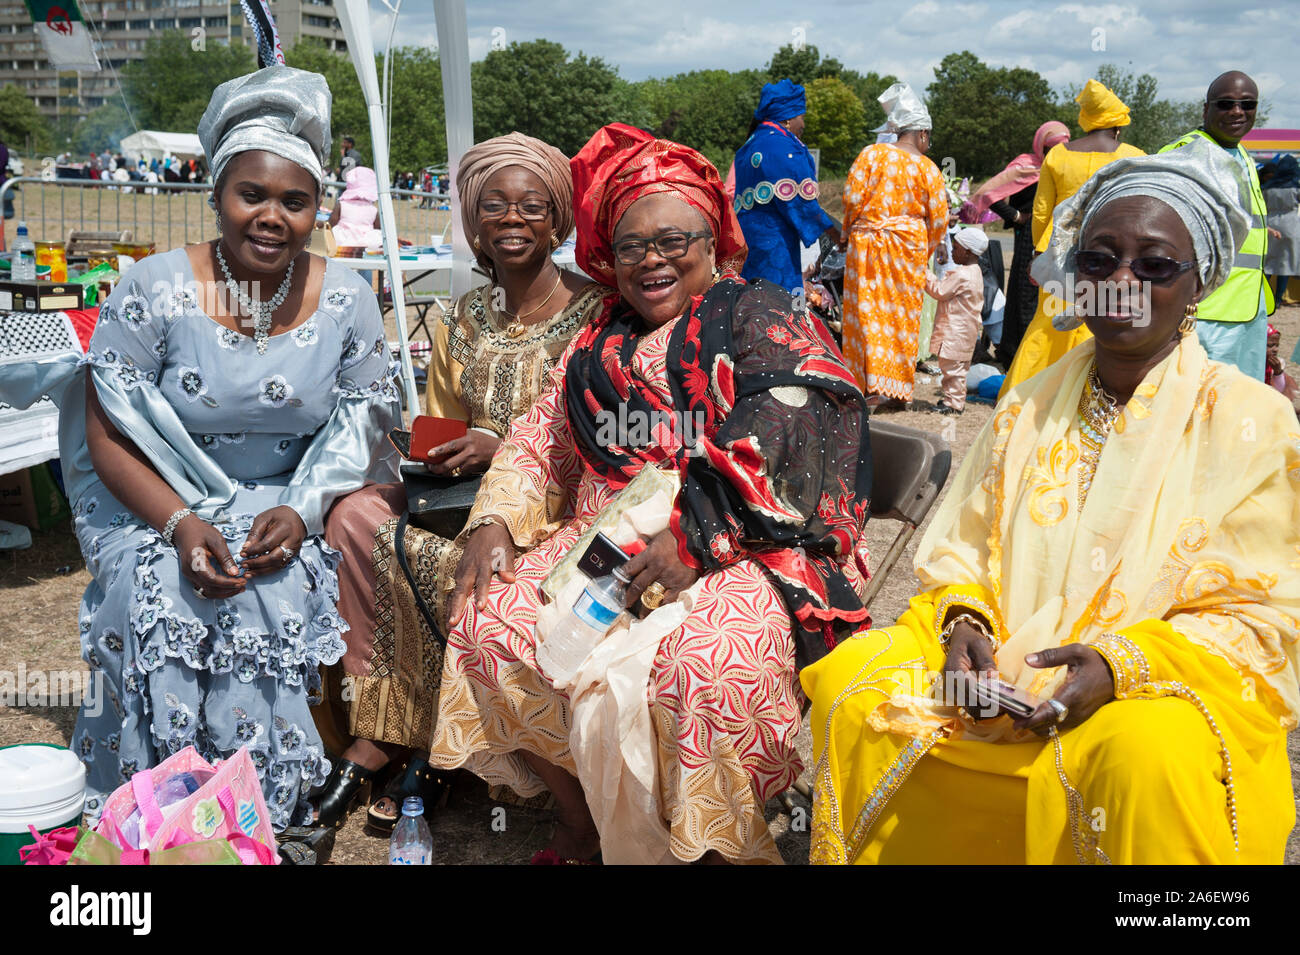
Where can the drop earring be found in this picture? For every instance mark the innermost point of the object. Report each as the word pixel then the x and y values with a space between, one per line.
pixel 477 247
pixel 555 241
pixel 218 223
pixel 1188 324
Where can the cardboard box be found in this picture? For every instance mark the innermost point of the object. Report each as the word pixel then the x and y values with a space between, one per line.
pixel 41 296
pixel 31 498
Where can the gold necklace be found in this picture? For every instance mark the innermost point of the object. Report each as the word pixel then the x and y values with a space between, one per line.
pixel 517 327
pixel 1097 413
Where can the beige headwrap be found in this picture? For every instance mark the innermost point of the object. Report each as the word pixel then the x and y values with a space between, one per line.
pixel 550 165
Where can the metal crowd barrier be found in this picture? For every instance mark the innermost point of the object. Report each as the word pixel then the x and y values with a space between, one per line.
pixel 168 214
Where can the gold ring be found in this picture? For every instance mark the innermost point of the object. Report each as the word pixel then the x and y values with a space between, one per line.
pixel 653 596
pixel 455 472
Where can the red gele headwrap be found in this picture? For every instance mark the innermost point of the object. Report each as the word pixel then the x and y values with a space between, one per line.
pixel 621 164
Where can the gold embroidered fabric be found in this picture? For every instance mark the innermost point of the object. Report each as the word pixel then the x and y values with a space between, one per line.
pixel 485 377
pixel 398 701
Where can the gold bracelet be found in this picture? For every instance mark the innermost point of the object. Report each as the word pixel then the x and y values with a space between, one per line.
pixel 946 636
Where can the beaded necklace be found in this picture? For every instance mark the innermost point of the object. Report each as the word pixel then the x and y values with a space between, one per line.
pixel 1097 413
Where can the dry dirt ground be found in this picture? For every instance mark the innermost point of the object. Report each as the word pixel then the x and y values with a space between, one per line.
pixel 40 589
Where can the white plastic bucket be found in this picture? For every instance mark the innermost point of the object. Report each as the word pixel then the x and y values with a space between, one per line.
pixel 41 785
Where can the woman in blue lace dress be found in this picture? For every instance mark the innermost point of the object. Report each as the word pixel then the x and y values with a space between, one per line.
pixel 236 388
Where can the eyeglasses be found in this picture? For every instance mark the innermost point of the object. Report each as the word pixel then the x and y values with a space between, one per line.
pixel 531 209
pixel 1225 105
pixel 1147 268
pixel 670 245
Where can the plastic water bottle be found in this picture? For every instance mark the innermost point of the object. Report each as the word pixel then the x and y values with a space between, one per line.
pixel 411 843
pixel 592 615
pixel 22 264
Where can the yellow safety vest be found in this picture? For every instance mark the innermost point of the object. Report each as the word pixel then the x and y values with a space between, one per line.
pixel 1237 299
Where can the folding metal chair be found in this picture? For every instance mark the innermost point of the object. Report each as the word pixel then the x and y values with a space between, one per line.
pixel 908 471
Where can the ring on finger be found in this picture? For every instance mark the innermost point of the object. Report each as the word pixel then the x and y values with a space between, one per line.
pixel 198 592
pixel 1061 710
pixel 286 553
pixel 653 595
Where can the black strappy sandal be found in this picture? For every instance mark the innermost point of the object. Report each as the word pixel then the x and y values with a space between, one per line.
pixel 347 786
pixel 417 778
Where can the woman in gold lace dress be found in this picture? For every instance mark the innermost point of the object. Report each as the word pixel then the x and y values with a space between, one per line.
pixel 493 354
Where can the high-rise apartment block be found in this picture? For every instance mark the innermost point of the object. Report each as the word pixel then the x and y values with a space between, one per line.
pixel 120 29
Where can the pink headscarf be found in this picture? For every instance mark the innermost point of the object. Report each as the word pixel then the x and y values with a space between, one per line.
pixel 1020 173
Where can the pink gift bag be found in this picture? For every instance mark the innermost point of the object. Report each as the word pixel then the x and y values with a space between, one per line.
pixel 186 799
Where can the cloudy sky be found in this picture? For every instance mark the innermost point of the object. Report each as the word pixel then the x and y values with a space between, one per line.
pixel 1183 44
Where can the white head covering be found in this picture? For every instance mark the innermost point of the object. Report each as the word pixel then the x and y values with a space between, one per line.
pixel 1199 181
pixel 973 239
pixel 904 110
pixel 277 109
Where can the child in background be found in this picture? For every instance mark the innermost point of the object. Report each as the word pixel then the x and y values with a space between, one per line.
pixel 1274 371
pixel 960 294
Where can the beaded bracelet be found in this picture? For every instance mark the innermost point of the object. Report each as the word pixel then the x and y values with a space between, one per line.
pixel 169 529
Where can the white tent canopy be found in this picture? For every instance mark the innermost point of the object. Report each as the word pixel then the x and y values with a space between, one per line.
pixel 153 144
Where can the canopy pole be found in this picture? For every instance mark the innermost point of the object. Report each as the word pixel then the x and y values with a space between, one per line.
pixel 354 15
pixel 453 60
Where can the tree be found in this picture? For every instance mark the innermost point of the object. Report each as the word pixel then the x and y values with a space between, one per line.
pixel 836 123
pixel 535 88
pixel 868 88
pixel 708 110
pixel 348 116
pixel 797 64
pixel 1153 122
pixel 984 116
pixel 22 126
pixel 419 128
pixel 103 129
pixel 169 88
pixel 805 65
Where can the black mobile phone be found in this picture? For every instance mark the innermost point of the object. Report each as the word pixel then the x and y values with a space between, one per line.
pixel 602 557
pixel 401 440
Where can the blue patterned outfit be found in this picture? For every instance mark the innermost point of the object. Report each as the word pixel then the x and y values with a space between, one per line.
pixel 776 202
pixel 234 433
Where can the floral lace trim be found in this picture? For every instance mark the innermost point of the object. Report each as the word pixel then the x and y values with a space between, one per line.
pixel 292 654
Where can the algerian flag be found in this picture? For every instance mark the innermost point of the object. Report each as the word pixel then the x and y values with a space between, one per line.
pixel 58 23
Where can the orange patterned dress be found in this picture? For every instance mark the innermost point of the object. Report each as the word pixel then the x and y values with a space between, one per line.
pixel 895 214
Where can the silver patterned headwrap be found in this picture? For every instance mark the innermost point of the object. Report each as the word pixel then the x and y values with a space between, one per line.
pixel 1199 181
pixel 277 109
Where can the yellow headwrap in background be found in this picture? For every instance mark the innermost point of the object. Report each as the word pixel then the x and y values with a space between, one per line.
pixel 1099 108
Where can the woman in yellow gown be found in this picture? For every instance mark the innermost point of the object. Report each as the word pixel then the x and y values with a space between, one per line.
pixel 1122 542
pixel 1066 168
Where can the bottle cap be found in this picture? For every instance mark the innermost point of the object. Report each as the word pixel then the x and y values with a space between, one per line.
pixel 22 228
pixel 413 806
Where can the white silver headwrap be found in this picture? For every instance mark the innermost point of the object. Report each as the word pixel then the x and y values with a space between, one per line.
pixel 277 109
pixel 1199 181
pixel 904 110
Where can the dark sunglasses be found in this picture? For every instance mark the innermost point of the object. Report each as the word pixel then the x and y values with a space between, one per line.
pixel 1147 268
pixel 1225 105
pixel 670 245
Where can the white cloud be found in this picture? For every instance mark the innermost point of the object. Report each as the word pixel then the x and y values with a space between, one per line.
pixel 1183 44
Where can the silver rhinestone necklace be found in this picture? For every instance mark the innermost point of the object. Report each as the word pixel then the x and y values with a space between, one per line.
pixel 260 311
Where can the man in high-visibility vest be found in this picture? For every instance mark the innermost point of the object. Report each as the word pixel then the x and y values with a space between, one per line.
pixel 1232 322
